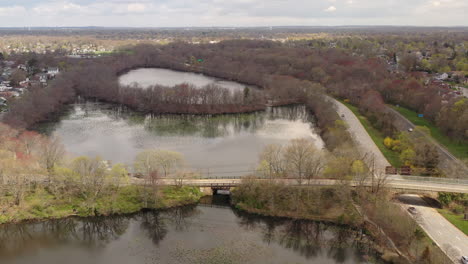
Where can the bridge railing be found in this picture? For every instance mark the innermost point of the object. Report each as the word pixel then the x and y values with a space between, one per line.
pixel 434 180
pixel 399 177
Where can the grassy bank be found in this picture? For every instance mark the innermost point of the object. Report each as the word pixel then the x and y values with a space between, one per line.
pixel 458 149
pixel 309 202
pixel 41 204
pixel 456 220
pixel 377 137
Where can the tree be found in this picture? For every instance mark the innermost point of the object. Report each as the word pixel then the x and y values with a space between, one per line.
pixel 274 163
pixel 91 173
pixel 51 153
pixel 149 161
pixel 17 76
pixel 303 159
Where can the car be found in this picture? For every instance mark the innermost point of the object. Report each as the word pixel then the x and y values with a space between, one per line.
pixel 464 259
pixel 410 129
pixel 412 210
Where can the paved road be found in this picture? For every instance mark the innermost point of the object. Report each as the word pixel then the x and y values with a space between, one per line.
pixel 446 158
pixel 423 184
pixel 360 135
pixel 449 238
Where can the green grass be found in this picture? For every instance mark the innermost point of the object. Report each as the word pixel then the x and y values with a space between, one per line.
pixel 458 149
pixel 455 219
pixel 377 136
pixel 41 204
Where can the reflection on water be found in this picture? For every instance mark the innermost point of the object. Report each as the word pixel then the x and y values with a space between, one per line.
pixel 220 145
pixel 201 234
pixel 146 77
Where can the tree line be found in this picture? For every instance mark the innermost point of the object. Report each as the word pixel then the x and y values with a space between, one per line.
pixel 286 74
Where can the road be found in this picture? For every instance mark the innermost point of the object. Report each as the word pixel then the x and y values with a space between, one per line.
pixel 446 158
pixel 360 135
pixel 416 183
pixel 449 238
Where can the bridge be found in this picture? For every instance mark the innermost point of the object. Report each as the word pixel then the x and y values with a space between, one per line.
pixel 396 182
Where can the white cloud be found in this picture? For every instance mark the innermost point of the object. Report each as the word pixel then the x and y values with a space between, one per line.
pixel 58 8
pixel 136 7
pixel 12 10
pixel 232 13
pixel 330 9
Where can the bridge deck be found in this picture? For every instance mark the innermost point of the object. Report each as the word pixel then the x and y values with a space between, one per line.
pixel 409 183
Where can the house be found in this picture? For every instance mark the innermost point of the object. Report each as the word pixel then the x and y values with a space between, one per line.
pixel 8 63
pixel 442 77
pixel 4 88
pixel 52 71
pixel 22 67
pixel 42 77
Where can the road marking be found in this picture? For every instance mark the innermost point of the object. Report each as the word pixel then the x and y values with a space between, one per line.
pixel 457 238
pixel 440 233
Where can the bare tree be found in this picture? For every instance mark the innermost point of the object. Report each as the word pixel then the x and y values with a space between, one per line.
pixel 51 153
pixel 272 159
pixel 303 159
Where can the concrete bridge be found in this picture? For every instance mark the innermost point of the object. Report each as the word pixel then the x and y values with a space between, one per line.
pixel 414 184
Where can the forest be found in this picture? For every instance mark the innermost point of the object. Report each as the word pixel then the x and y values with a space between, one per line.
pixel 286 74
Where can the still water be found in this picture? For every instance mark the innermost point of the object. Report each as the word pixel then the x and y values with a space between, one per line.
pixel 146 77
pixel 222 145
pixel 196 234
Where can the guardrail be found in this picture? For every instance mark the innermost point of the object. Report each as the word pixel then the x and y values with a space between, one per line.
pixel 390 178
pixel 435 180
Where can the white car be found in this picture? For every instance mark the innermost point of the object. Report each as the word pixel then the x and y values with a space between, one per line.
pixel 464 259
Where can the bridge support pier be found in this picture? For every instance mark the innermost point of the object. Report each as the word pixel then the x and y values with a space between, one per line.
pixel 206 191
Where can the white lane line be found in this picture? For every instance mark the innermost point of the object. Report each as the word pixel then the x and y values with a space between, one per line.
pixel 457 238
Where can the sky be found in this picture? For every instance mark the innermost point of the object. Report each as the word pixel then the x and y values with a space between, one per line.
pixel 231 13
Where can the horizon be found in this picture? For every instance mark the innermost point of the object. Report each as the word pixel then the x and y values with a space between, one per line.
pixel 233 27
pixel 235 13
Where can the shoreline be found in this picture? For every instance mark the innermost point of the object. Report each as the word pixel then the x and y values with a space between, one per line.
pixel 29 213
pixel 143 209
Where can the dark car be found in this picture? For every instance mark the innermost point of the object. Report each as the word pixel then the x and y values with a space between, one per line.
pixel 464 259
pixel 412 210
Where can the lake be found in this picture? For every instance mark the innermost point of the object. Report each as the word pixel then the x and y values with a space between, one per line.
pixel 211 232
pixel 146 77
pixel 221 145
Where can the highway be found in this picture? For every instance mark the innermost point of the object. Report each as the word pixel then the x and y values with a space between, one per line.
pixel 448 237
pixel 446 158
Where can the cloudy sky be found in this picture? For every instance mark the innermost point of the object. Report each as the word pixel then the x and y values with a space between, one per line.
pixel 181 13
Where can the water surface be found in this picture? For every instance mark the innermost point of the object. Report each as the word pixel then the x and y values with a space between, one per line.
pixel 201 234
pixel 222 145
pixel 146 77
